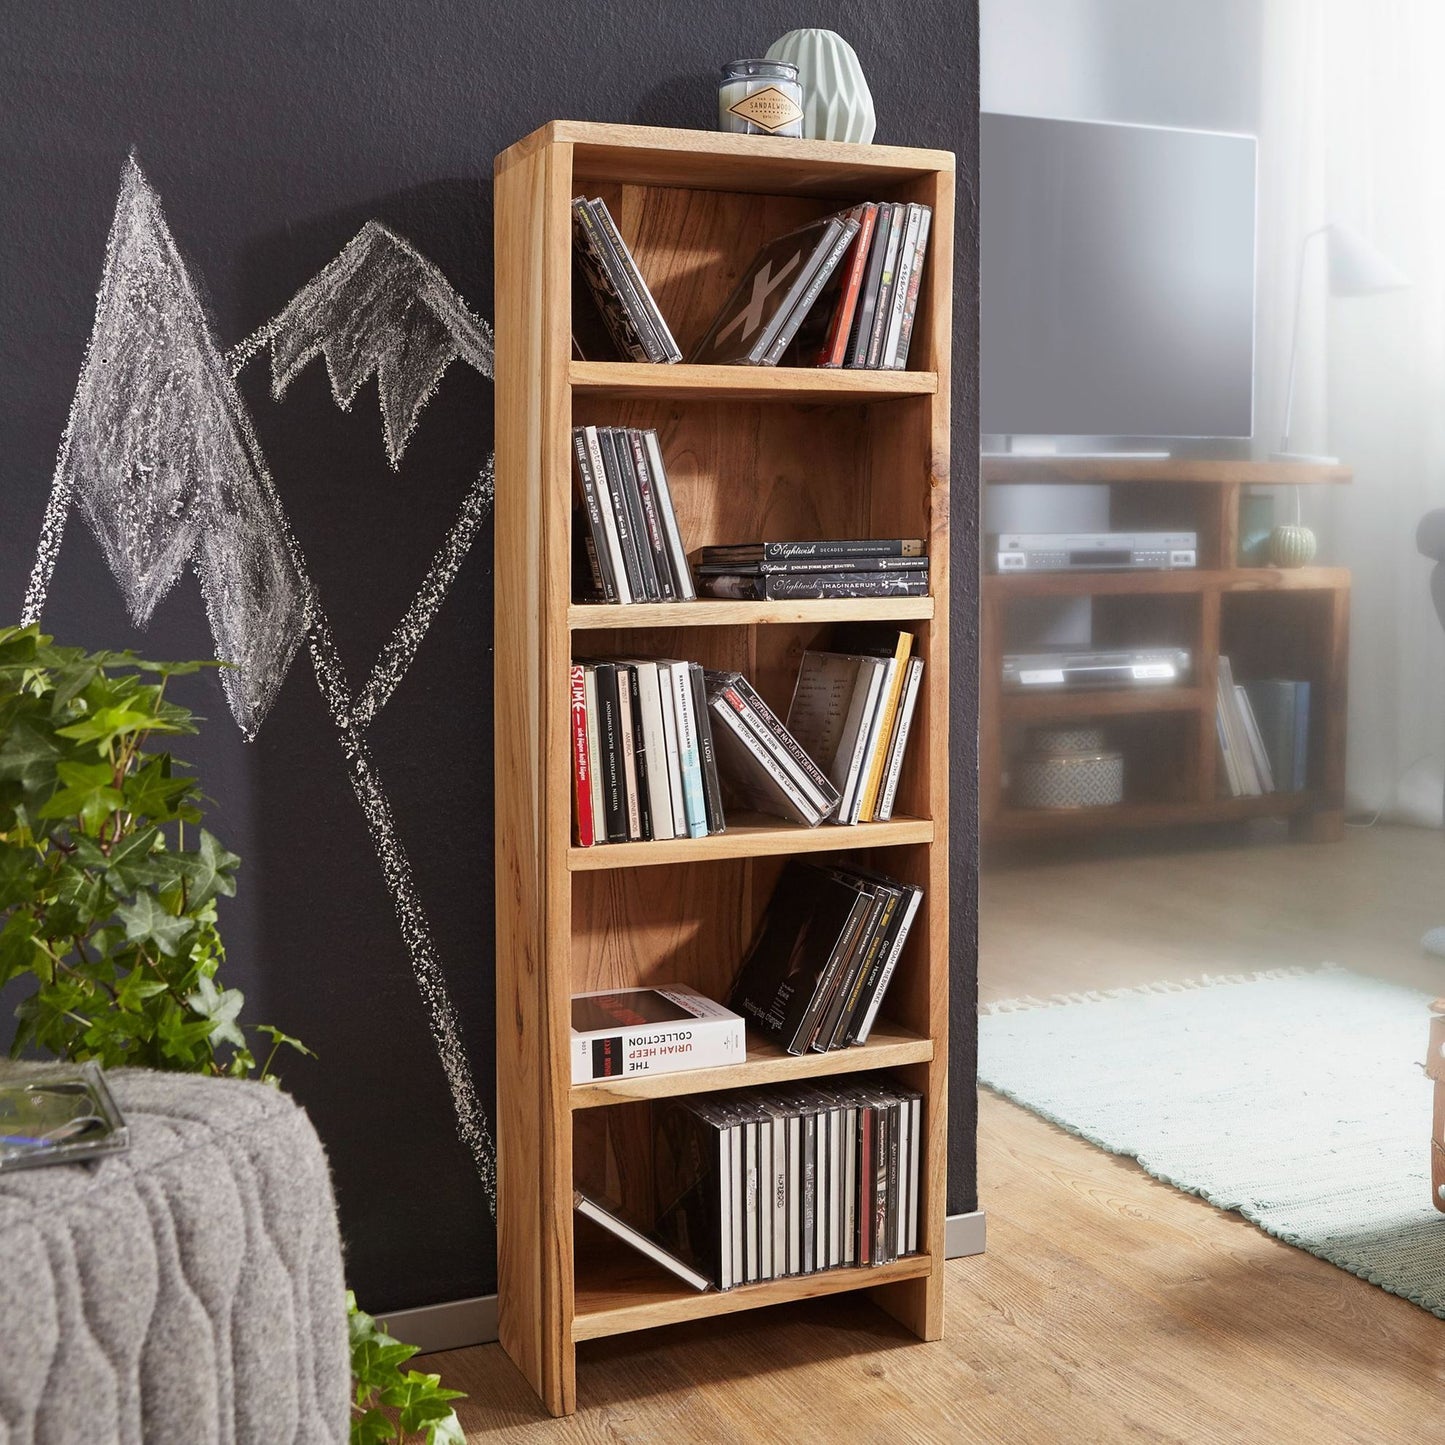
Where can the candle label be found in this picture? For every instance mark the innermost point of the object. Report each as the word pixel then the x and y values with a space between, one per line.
pixel 768 108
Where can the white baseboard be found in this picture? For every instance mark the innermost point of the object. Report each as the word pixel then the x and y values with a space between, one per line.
pixel 450 1326
pixel 964 1234
pixel 463 1322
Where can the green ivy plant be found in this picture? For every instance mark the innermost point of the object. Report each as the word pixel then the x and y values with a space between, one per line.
pixel 108 922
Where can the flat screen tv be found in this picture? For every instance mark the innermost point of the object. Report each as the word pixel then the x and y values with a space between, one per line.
pixel 1117 280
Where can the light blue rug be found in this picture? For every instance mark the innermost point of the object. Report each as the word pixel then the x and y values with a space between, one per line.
pixel 1295 1097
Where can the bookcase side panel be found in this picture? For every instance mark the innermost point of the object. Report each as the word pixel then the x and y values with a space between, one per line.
pixel 533 1141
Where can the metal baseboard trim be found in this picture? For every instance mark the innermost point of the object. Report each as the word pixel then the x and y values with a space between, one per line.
pixel 964 1234
pixel 450 1326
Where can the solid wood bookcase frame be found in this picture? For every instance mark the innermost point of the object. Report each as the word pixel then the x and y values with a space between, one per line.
pixel 751 452
pixel 1269 621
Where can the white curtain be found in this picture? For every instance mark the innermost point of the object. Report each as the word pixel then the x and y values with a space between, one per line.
pixel 1352 130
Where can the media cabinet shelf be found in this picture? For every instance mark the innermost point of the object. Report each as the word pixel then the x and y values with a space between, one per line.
pixel 586 616
pixel 752 836
pixel 618 1296
pixel 629 379
pixel 1269 621
pixel 752 453
pixel 888 1046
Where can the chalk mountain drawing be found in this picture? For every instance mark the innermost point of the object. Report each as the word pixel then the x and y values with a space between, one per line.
pixel 161 454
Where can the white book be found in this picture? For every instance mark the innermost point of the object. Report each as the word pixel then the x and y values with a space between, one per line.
pixel 853 746
pixel 669 741
pixel 609 516
pixel 899 361
pixel 654 743
pixel 627 1032
pixel 629 753
pixel 689 755
pixel 902 270
pixel 594 752
pixel 877 721
pixel 599 1214
pixel 893 767
pixel 1256 741
pixel 915 1155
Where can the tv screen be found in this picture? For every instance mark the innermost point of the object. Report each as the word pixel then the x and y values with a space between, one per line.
pixel 1117 280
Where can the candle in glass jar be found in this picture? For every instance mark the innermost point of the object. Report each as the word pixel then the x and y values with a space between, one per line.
pixel 761 97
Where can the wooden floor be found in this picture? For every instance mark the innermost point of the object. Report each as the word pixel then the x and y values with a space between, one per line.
pixel 1109 1306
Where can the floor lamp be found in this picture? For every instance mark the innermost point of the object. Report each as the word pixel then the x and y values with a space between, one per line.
pixel 1356 268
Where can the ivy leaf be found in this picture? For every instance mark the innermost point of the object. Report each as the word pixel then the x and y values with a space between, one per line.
pixel 208 871
pixel 277 1037
pixel 448 1431
pixel 147 922
pixel 151 791
pixel 28 757
pixel 87 791
pixel 106 724
pixel 221 1006
pixel 373 1428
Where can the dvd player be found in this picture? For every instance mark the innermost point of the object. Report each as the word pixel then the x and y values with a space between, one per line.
pixel 1122 667
pixel 1094 551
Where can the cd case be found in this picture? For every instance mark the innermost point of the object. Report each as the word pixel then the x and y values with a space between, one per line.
pixel 57 1114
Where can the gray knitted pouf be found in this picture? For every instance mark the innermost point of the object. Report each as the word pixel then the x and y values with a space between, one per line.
pixel 186 1292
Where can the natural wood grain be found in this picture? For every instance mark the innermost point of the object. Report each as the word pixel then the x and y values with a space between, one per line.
pixel 752 453
pixel 888 1046
pixel 1210 471
pixel 620 379
pixel 753 836
pixel 621 1293
pixel 1184 580
pixel 582 617
pixel 1045 822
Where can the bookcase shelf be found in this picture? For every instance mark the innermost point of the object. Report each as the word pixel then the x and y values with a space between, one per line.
pixel 752 453
pixel 586 616
pixel 752 835
pixel 888 1046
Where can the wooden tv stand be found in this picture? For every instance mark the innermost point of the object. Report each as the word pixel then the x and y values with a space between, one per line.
pixel 1269 621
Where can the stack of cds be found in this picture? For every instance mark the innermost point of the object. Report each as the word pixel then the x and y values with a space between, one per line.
pixel 777 571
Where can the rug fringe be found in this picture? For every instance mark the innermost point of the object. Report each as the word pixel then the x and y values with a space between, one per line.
pixel 1207 980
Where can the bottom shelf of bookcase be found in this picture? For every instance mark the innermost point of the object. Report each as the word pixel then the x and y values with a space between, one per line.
pixel 617 1294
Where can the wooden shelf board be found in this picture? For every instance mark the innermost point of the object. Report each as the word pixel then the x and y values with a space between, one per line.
pixel 1169 470
pixel 1040 822
pixel 1111 702
pixel 840 386
pixel 1184 581
pixel 588 616
pixel 767 1063
pixel 753 835
pixel 625 1292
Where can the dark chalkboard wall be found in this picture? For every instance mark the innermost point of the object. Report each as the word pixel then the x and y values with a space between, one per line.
pixel 272 132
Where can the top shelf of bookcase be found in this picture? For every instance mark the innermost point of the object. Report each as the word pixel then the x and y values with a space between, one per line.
pixel 715 160
pixel 747 383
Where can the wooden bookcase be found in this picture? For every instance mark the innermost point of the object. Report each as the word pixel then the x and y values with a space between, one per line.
pixel 1268 621
pixel 751 453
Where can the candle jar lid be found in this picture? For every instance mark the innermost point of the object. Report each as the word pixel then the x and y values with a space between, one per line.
pixel 760 70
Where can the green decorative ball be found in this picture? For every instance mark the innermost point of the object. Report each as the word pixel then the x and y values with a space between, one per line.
pixel 1291 546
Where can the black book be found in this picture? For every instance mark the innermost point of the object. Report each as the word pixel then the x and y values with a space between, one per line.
pixel 888 282
pixel 609 737
pixel 622 512
pixel 592 256
pixel 652 528
pixel 592 511
pixel 858 342
pixel 766 296
pixel 805 566
pixel 756 779
pixel 805 303
pixel 677 553
pixel 637 287
pixel 812 549
pixel 870 962
pixel 859 1023
pixel 706 752
pixel 640 760
pixel 810 924
pixel 832 1026
pixel 632 496
pixel 776 587
pixel 622 279
pixel 687 1174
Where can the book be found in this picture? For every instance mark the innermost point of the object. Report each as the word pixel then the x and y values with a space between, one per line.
pixel 776 587
pixel 852 270
pixel 617 456
pixel 806 302
pixel 581 760
pixel 654 749
pixel 898 744
pixel 668 704
pixel 619 1033
pixel 609 725
pixel 677 553
pixel 615 1225
pixel 600 551
pixel 1239 764
pixel 707 752
pixel 594 753
pixel 915 280
pixel 764 299
pixel 58 1114
pixel 638 289
pixel 759 777
pixel 894 647
pixel 872 284
pixel 875 985
pixel 834 701
pixel 621 515
pixel 1254 739
pixel 747 554
pixel 907 250
pixel 1281 708
pixel 885 287
pixel 805 566
pixel 597 471
pixel 603 282
pixel 651 516
pixel 694 806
